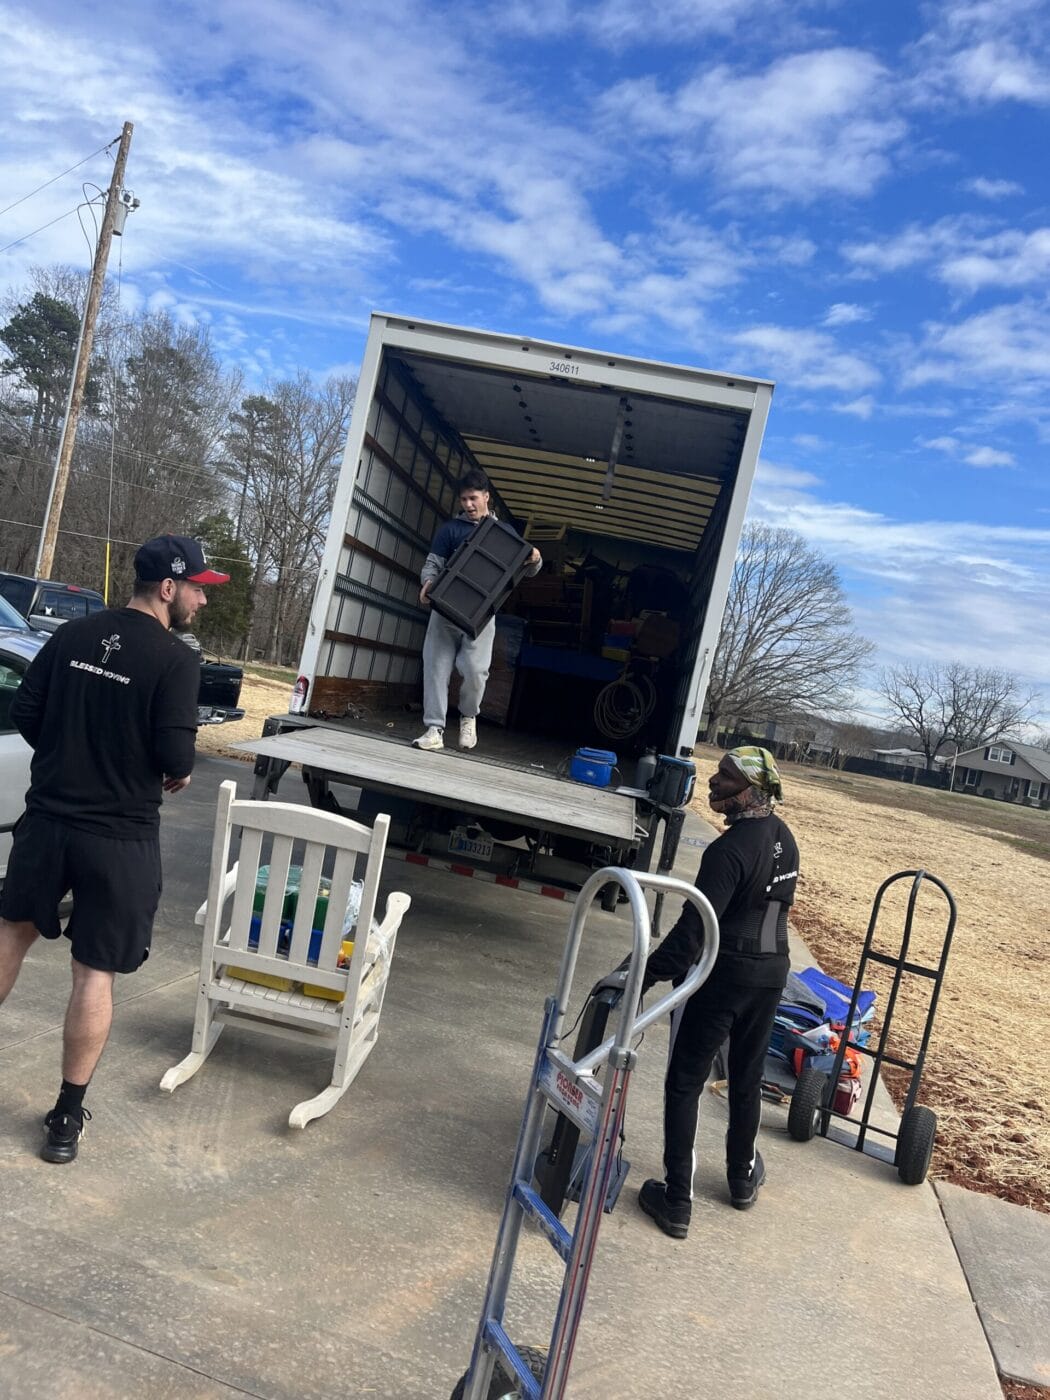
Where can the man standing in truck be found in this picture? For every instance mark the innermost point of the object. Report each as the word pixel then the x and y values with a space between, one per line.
pixel 109 707
pixel 749 874
pixel 446 646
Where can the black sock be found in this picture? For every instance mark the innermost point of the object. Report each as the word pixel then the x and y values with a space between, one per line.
pixel 71 1099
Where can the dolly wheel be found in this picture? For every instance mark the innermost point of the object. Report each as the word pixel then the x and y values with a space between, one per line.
pixel 807 1100
pixel 503 1386
pixel 915 1145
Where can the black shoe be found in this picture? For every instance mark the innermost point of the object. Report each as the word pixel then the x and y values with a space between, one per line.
pixel 64 1131
pixel 672 1219
pixel 744 1183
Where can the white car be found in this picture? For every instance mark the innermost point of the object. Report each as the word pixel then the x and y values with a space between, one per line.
pixel 18 645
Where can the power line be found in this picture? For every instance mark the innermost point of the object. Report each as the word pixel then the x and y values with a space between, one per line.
pixel 134 544
pixel 216 476
pixel 55 178
pixel 26 236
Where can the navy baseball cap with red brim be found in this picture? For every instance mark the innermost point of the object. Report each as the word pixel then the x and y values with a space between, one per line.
pixel 176 557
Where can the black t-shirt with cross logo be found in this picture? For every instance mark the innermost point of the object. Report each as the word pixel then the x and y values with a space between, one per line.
pixel 110 708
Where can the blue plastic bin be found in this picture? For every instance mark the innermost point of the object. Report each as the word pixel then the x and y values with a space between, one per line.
pixel 284 938
pixel 593 766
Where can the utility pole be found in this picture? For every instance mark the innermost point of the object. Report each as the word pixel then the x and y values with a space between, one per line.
pixel 45 557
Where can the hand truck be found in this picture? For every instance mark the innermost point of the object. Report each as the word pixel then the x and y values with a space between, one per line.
pixel 498 1369
pixel 814 1093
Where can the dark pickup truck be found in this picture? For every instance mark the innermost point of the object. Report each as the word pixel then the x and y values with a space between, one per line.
pixel 45 605
pixel 220 687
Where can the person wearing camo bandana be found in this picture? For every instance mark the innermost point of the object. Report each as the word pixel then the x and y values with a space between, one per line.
pixel 749 874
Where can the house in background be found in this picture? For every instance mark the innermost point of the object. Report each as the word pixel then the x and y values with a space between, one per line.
pixel 1009 770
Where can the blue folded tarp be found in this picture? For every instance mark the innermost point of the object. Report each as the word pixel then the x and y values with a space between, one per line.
pixel 837 996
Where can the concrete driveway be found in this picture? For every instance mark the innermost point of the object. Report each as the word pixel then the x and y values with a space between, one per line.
pixel 200 1248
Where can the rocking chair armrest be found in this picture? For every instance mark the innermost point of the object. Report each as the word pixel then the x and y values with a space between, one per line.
pixel 229 884
pixel 383 933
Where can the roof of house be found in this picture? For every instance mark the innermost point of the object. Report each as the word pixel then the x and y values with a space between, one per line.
pixel 1036 758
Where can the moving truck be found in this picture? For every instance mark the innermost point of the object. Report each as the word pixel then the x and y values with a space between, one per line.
pixel 631 478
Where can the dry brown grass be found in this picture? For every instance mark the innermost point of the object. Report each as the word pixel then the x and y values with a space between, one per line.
pixel 986 1074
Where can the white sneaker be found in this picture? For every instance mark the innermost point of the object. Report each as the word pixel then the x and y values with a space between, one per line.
pixel 434 738
pixel 468 733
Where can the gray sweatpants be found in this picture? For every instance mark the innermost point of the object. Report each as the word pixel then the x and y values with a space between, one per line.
pixel 444 647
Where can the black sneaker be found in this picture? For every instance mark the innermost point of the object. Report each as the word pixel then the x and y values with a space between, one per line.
pixel 672 1219
pixel 64 1131
pixel 744 1183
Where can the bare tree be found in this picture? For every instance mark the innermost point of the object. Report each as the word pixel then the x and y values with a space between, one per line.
pixel 286 448
pixel 955 704
pixel 851 739
pixel 787 641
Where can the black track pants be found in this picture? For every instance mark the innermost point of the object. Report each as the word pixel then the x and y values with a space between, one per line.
pixel 720 1009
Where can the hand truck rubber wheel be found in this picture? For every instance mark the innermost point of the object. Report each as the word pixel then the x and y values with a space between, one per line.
pixel 807 1100
pixel 503 1386
pixel 609 897
pixel 915 1144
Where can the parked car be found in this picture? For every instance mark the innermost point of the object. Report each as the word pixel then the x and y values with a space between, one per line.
pixel 19 643
pixel 46 604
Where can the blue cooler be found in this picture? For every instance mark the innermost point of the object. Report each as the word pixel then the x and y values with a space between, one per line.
pixel 593 766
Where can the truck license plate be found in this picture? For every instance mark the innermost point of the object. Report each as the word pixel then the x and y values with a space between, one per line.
pixel 462 843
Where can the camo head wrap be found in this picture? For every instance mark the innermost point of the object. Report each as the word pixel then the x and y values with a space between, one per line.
pixel 759 768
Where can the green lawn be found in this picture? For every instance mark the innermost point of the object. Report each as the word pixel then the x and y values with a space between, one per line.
pixel 271 673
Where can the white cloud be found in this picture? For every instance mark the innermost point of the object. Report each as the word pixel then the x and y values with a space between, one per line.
pixel 917 243
pixel 992 189
pixel 989 457
pixel 862 407
pixel 807 358
pixel 1006 345
pixel 936 588
pixel 973 456
pixel 950 445
pixel 775 475
pixel 1010 259
pixel 614 23
pixel 796 250
pixel 844 313
pixel 965 256
pixel 981 53
pixel 811 124
pixel 996 72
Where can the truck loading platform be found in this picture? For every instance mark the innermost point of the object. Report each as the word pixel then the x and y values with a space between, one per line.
pixel 466 781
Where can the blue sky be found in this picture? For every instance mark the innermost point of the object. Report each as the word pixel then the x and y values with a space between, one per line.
pixel 851 200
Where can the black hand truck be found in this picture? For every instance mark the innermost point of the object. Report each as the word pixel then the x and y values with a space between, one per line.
pixel 811 1108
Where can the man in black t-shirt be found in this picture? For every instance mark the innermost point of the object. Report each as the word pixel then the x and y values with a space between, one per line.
pixel 109 707
pixel 749 875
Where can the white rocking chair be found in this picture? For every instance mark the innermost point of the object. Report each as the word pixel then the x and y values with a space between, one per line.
pixel 286 987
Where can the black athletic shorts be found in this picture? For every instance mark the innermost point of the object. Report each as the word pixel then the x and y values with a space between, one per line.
pixel 115 884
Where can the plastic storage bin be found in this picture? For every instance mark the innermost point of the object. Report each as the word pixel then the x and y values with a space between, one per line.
pixel 284 930
pixel 672 783
pixel 592 766
pixel 479 575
